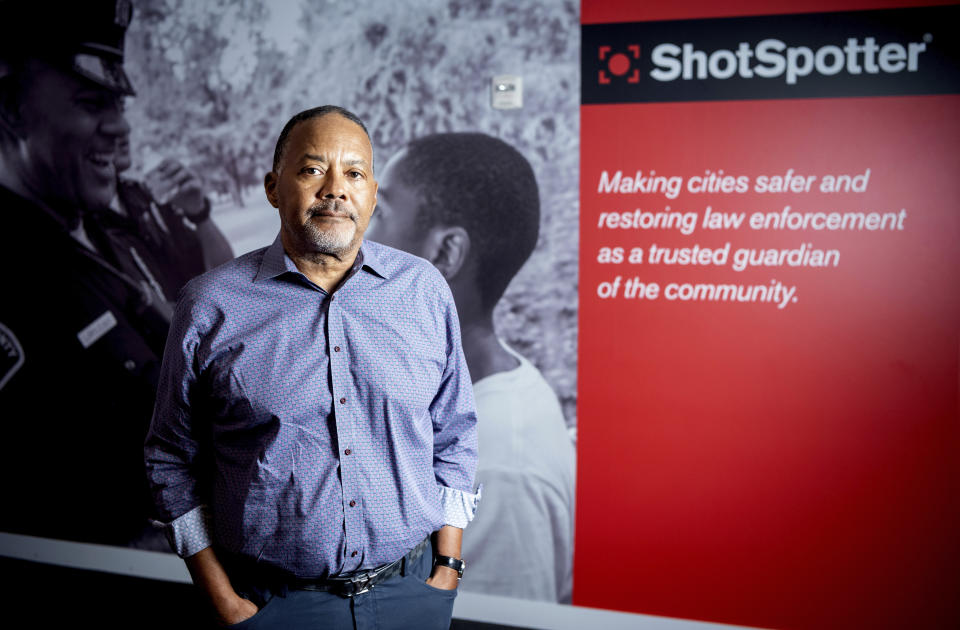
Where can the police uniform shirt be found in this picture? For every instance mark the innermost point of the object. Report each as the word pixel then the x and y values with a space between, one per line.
pixel 81 343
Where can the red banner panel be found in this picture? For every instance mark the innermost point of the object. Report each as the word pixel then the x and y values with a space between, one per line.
pixel 769 352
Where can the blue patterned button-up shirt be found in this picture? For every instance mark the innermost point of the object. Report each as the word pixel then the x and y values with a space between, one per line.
pixel 320 433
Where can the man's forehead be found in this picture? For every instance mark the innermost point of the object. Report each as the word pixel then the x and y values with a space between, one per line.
pixel 326 135
pixel 398 188
pixel 397 158
pixel 395 178
pixel 50 79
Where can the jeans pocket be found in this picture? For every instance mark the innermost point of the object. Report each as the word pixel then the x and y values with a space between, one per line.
pixel 253 621
pixel 449 592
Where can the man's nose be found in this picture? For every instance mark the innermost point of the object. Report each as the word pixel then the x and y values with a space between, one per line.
pixel 333 186
pixel 115 123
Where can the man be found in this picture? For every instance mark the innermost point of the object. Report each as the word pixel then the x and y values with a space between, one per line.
pixel 315 422
pixel 468 203
pixel 81 334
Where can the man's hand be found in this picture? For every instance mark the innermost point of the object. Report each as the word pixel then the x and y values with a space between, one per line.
pixel 209 576
pixel 171 182
pixel 235 611
pixel 443 578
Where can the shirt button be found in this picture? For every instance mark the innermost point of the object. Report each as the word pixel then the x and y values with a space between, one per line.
pixel 130 365
pixel 343 400
pixel 336 348
pixel 353 504
pixel 353 555
pixel 347 452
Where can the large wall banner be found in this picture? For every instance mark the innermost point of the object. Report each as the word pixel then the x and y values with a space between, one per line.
pixel 134 140
pixel 769 310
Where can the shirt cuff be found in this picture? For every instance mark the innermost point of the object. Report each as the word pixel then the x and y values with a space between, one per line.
pixel 459 507
pixel 190 532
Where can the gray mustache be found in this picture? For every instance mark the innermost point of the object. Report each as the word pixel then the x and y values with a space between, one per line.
pixel 331 206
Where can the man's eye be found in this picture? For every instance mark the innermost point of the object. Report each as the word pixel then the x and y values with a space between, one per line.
pixel 93 104
pixel 355 174
pixel 310 170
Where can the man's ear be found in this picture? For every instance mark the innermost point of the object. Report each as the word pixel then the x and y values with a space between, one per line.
pixel 270 182
pixel 448 249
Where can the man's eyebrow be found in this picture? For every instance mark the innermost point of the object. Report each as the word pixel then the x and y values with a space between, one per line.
pixel 356 162
pixel 321 158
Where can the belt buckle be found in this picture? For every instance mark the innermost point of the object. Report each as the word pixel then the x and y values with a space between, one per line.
pixel 360 584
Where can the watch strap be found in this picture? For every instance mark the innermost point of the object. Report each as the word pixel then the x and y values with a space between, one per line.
pixel 456 564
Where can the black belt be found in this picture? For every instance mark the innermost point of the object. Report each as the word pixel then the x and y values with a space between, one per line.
pixel 354 584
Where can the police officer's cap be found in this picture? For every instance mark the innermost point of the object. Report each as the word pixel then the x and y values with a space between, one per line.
pixel 85 37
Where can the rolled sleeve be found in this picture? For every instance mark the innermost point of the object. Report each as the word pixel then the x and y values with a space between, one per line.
pixel 459 507
pixel 190 533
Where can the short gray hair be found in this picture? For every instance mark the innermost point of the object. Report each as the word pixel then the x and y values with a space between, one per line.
pixel 316 112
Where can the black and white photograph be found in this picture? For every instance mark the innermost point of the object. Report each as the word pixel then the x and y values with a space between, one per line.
pixel 134 140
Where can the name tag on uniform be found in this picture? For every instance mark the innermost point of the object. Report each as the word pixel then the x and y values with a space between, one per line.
pixel 96 329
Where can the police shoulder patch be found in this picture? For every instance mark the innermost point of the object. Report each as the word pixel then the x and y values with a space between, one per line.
pixel 11 354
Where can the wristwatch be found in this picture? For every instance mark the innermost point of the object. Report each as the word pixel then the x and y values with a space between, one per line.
pixel 454 563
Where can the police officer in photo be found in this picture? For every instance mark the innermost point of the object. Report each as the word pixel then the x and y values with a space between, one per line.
pixel 83 319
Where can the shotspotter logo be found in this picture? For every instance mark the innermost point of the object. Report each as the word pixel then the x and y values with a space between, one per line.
pixel 862 53
pixel 773 58
pixel 618 64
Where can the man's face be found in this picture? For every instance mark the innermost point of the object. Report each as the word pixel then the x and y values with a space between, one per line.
pixel 395 223
pixel 325 189
pixel 70 130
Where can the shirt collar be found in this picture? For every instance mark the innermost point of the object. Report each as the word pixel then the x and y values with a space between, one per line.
pixel 371 260
pixel 276 262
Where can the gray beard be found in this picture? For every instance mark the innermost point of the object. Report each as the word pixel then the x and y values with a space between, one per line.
pixel 333 242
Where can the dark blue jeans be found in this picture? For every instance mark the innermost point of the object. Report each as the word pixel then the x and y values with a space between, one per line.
pixel 399 603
